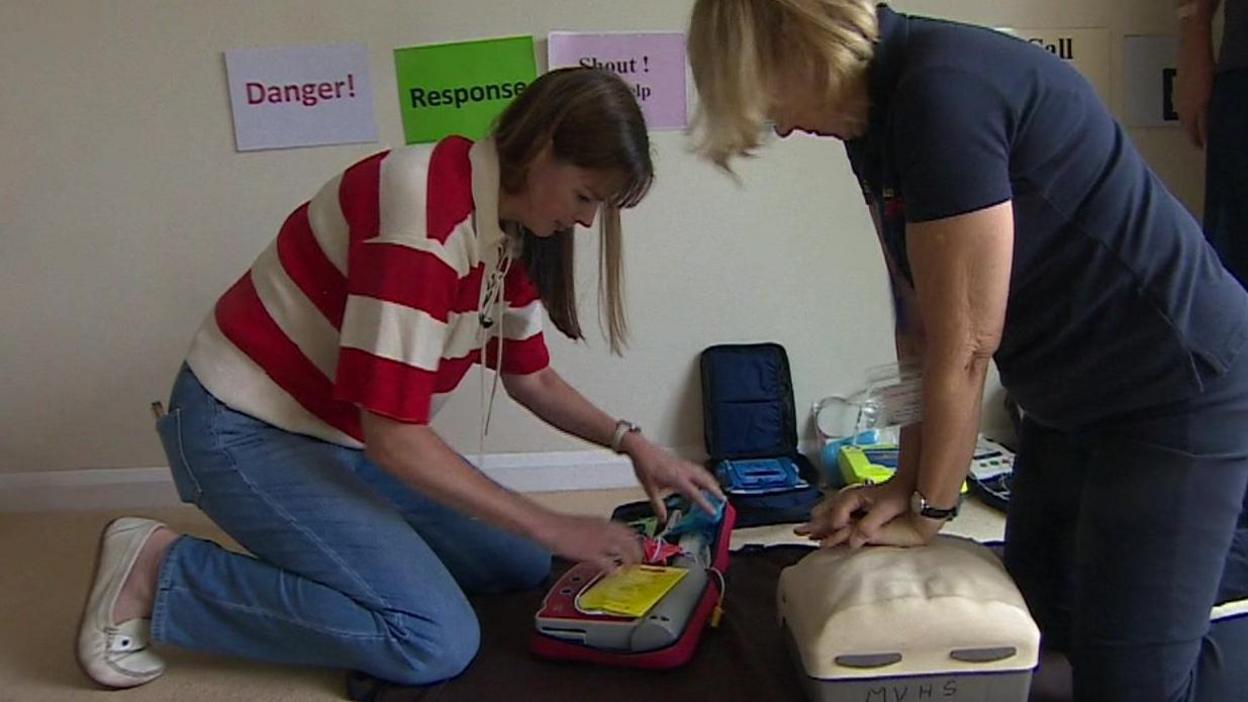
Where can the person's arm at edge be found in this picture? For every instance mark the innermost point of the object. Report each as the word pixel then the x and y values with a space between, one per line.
pixel 1194 82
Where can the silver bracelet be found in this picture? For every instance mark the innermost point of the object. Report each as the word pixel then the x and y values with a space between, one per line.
pixel 622 427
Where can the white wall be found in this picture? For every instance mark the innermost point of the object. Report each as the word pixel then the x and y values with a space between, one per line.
pixel 125 212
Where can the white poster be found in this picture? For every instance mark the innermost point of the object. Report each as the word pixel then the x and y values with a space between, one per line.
pixel 300 96
pixel 1087 49
pixel 1149 65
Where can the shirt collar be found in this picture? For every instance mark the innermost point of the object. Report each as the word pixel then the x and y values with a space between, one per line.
pixel 887 61
pixel 483 156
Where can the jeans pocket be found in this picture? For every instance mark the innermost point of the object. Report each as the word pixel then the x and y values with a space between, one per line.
pixel 169 427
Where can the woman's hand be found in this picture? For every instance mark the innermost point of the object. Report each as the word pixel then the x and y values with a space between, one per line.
pixel 583 539
pixel 659 471
pixel 868 514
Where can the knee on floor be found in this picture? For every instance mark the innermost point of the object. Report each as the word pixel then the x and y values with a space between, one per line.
pixel 432 648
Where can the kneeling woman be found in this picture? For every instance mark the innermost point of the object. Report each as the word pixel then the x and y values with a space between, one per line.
pixel 299 423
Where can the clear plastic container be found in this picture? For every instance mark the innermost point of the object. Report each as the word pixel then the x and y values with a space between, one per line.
pixel 890 398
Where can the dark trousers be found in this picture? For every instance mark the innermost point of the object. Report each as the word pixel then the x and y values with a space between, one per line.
pixel 1226 172
pixel 1123 538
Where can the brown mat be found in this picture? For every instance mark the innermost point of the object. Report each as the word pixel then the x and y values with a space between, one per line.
pixel 743 659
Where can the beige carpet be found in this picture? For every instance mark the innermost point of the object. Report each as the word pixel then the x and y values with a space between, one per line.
pixel 45 563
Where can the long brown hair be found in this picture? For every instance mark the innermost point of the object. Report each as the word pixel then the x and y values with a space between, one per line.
pixel 592 121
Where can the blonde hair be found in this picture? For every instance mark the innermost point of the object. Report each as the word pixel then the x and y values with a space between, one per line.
pixel 738 48
pixel 591 120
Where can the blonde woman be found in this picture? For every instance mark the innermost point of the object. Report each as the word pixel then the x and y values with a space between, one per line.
pixel 1020 225
pixel 299 423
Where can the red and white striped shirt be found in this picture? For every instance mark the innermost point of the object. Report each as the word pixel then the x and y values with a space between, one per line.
pixel 369 298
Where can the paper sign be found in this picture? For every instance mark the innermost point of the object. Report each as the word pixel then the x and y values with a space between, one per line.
pixel 300 96
pixel 1149 68
pixel 652 63
pixel 460 88
pixel 1086 49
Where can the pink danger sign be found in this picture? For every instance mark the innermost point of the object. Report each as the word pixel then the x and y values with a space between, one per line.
pixel 300 96
pixel 652 63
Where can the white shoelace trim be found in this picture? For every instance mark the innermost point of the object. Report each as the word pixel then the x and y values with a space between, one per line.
pixel 493 307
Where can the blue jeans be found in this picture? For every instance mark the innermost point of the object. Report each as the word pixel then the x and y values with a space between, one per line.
pixel 1226 172
pixel 1123 537
pixel 351 568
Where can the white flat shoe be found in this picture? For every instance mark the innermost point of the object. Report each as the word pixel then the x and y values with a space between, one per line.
pixel 116 655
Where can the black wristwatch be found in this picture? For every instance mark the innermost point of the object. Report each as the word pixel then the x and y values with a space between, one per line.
pixel 920 506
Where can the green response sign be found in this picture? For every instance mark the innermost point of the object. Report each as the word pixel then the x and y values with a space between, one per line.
pixel 459 88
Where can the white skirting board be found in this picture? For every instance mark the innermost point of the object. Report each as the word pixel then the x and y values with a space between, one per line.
pixel 130 488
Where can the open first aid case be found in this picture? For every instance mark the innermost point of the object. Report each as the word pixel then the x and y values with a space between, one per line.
pixel 750 427
pixel 582 617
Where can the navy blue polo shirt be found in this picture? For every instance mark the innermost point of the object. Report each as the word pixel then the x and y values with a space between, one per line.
pixel 1116 301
